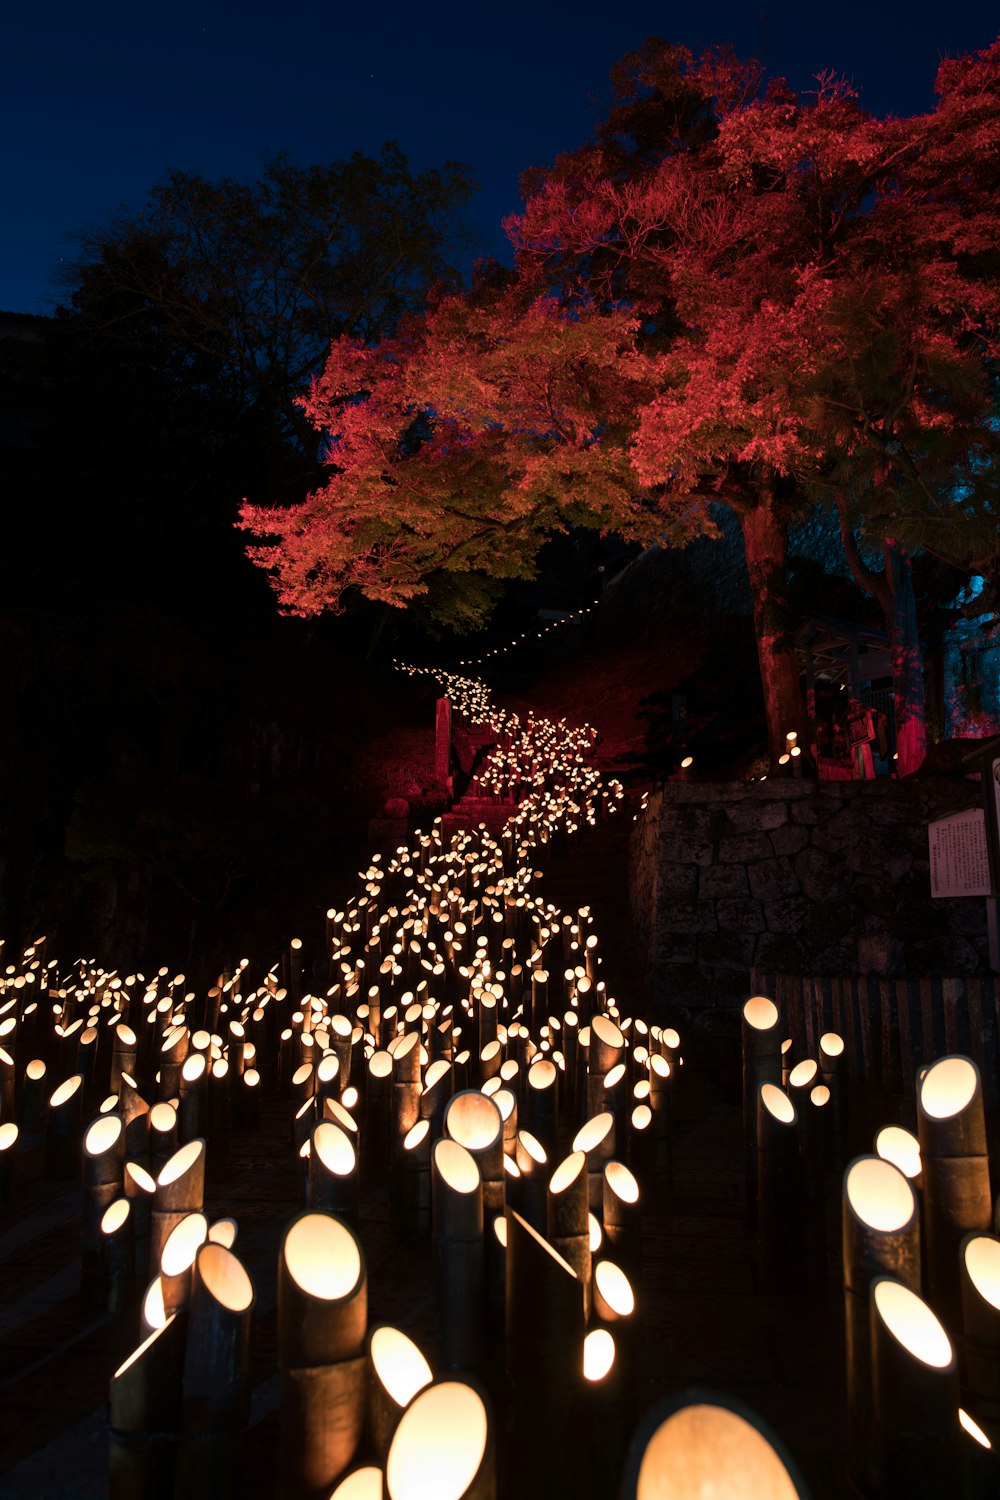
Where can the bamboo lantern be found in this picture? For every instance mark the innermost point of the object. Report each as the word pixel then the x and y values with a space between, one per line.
pixel 333 1171
pixel 223 1232
pixel 914 1395
pixel 622 1217
pixel 191 1109
pixel 607 1049
pixel 477 1124
pixel 781 1224
pixel 180 1190
pixel 103 1170
pixel 144 1414
pixel 786 1060
pixel 881 1236
pixel 216 1384
pixel 614 1307
pixel 405 1099
pixel 162 1133
pixel 397 1370
pixel 979 1261
pixel 544 1331
pixel 322 1318
pixel 136 1114
pixel 657 1143
pixel 123 1055
pixel 33 1101
pixel 173 1053
pixel 436 1091
pixel 956 1173
pixel 761 1064
pixel 567 1228
pixel 411 1181
pixel 596 1139
pixel 703 1444
pixel 532 1178
pixel 458 1254
pixel 541 1099
pixel 377 1111
pixel 443 1446
pixel 8 1159
pixel 63 1129
pixel 831 1072
pixel 980 1460
pixel 177 1259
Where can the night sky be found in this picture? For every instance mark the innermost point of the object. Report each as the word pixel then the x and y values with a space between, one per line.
pixel 99 100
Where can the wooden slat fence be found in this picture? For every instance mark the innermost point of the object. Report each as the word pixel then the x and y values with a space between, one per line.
pixel 893 1027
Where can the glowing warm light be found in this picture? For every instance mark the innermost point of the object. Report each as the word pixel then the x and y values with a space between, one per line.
pixel 125 1035
pixel 163 1117
pixel 225 1277
pixel 897 1145
pixel 400 1365
pixel 621 1182
pixel 879 1194
pixel 65 1091
pixel 439 1444
pixel 456 1166
pixel 153 1312
pixel 760 1013
pixel 947 1087
pixel 704 1451
pixel 912 1323
pixel 436 1071
pixel 143 1180
pixel 593 1132
pixel 115 1215
pixel 670 1037
pixel 474 1121
pixel 658 1064
pixel 831 1044
pixel 380 1065
pixel 777 1103
pixel 363 1484
pixel 972 1427
pixel 542 1074
pixel 642 1117
pixel 149 1339
pixel 982 1262
pixel 500 1229
pixel 182 1161
pixel 607 1032
pixel 194 1067
pixel 567 1172
pixel 183 1243
pixel 598 1354
pixel 615 1287
pixel 416 1135
pixel 803 1074
pixel 103 1134
pixel 322 1256
pixel 334 1149
pixel 35 1069
pixel 687 762
pixel 223 1232
pixel 820 1095
pixel 8 1135
pixel 534 1147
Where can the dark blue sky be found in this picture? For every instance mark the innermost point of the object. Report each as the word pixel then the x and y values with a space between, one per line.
pixel 99 99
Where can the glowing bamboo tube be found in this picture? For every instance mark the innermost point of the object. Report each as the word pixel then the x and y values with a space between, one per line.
pixel 544 1331
pixel 162 1133
pixel 541 1099
pixel 914 1394
pixel 659 1154
pixel 899 1146
pixel 8 1159
pixel 361 1484
pixel 607 1049
pixel 177 1259
pixel 956 1177
pixel 333 1171
pixel 780 1224
pixel 191 1109
pixel 832 1055
pixel 410 1185
pixel 567 1227
pixel 216 1384
pixel 437 1090
pixel 979 1261
pixel 144 1414
pixel 596 1139
pixel 761 1064
pixel 405 1107
pixel 63 1129
pixel 622 1218
pixel 477 1124
pixel 881 1236
pixel 33 1101
pixel 322 1318
pixel 103 1168
pixel 397 1371
pixel 458 1254
pixel 443 1446
pixel 180 1190
pixel 703 1444
pixel 123 1055
pixel 377 1112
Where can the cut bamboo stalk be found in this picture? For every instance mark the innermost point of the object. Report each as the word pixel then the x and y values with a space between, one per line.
pixel 443 1446
pixel 761 1064
pixel 458 1254
pixel 979 1261
pixel 915 1394
pixel 333 1171
pixel 956 1174
pixel 144 1413
pixel 397 1370
pixel 703 1444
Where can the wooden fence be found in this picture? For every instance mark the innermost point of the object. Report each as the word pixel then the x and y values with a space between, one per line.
pixel 893 1027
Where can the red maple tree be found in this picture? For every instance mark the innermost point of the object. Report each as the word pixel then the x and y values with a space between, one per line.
pixel 732 295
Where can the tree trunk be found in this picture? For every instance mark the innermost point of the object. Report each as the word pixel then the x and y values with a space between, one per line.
pixel 907 658
pixel 765 538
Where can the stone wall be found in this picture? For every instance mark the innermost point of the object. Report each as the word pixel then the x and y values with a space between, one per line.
pixel 796 877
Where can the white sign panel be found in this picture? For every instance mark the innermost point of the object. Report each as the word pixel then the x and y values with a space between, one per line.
pixel 960 861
